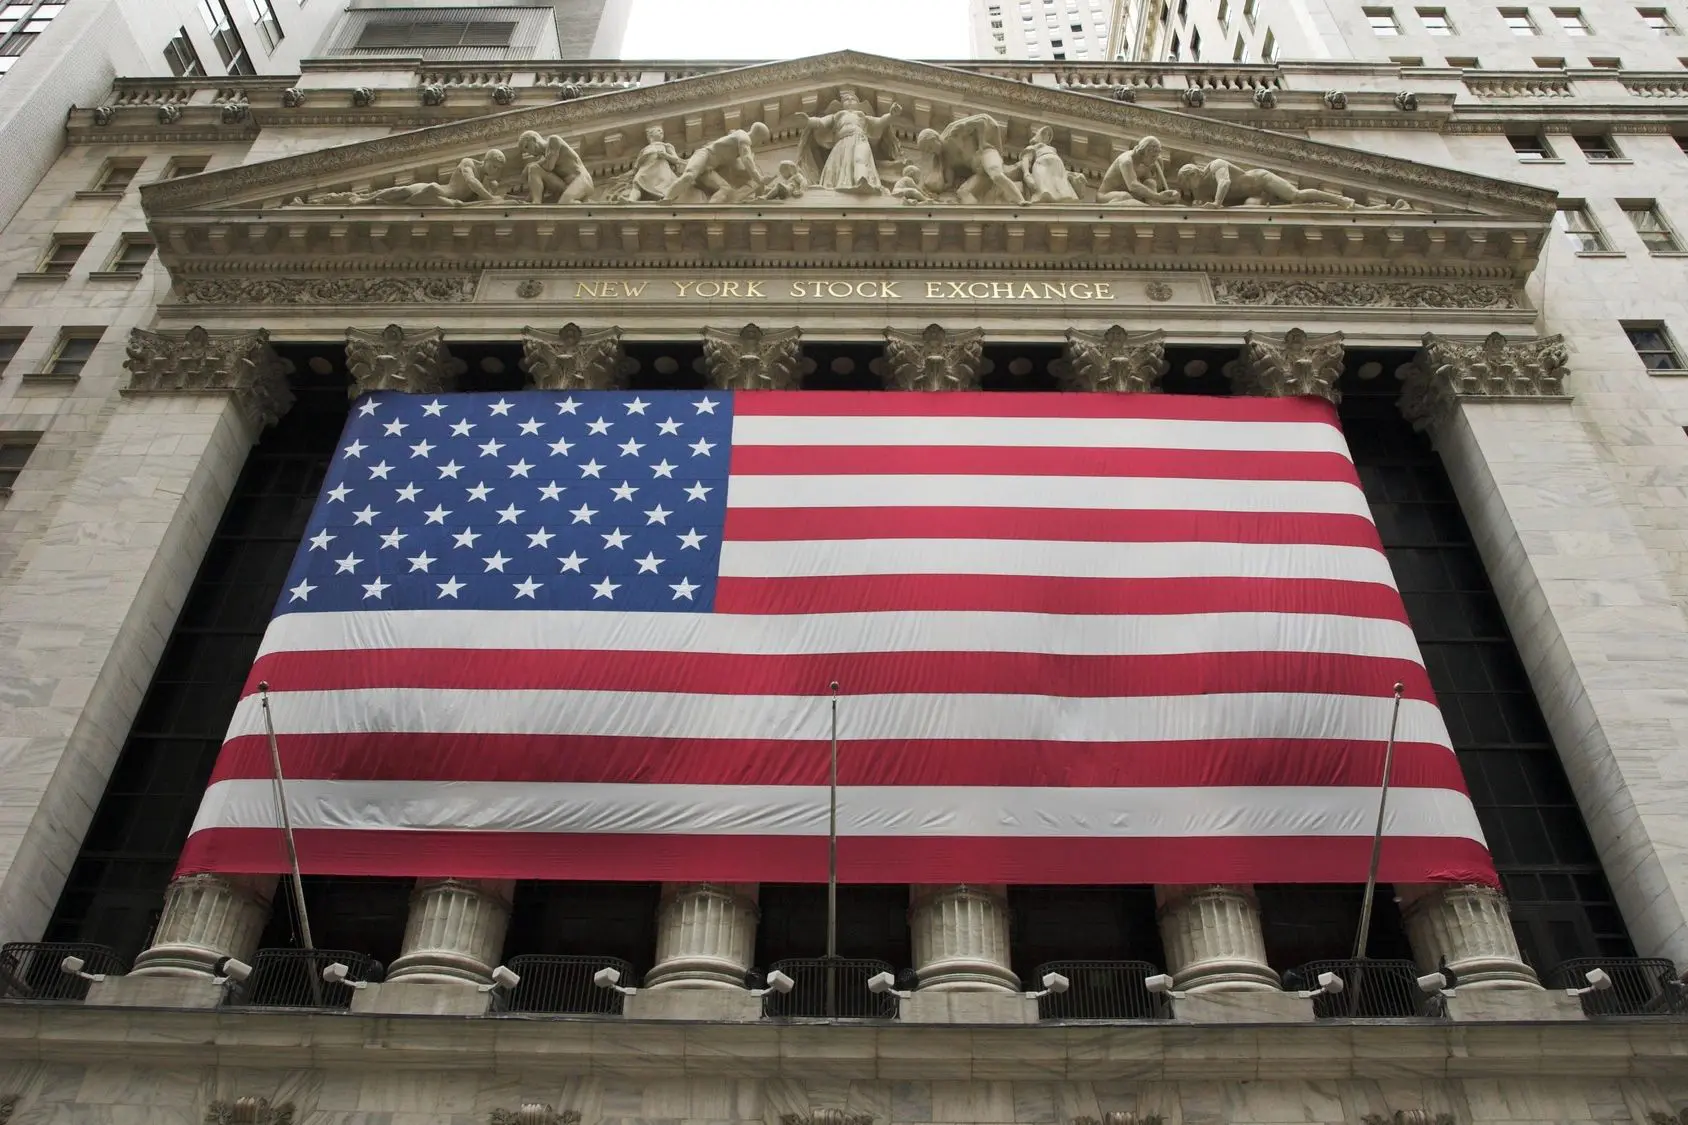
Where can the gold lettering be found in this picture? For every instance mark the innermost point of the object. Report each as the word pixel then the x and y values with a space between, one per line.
pixel 729 289
pixel 629 289
pixel 1055 291
pixel 684 285
pixel 974 287
pixel 1002 289
pixel 839 289
pixel 1086 295
pixel 867 288
pixel 1028 292
pixel 934 290
pixel 958 289
pixel 888 289
pixel 714 289
pixel 754 289
pixel 585 289
pixel 1104 290
pixel 797 289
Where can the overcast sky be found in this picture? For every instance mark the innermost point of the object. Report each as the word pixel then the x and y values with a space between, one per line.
pixel 775 29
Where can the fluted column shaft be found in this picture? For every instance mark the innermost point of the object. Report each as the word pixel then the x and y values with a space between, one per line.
pixel 706 936
pixel 1213 939
pixel 1470 927
pixel 960 938
pixel 455 931
pixel 207 918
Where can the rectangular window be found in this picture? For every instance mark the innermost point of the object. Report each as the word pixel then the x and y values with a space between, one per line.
pixel 1463 62
pixel 1682 142
pixel 1225 14
pixel 76 347
pixel 1549 64
pixel 408 33
pixel 1571 21
pixel 1269 47
pixel 133 253
pixel 1654 345
pixel 1655 233
pixel 232 48
pixel 1597 146
pixel 1173 51
pixel 264 17
pixel 11 339
pixel 1530 146
pixel 1383 22
pixel 1435 21
pixel 1518 21
pixel 181 57
pixel 1406 60
pixel 1605 63
pixel 1250 9
pixel 186 166
pixel 1657 19
pixel 14 455
pixel 1574 220
pixel 1240 52
pixel 1195 46
pixel 117 175
pixel 62 255
pixel 1183 11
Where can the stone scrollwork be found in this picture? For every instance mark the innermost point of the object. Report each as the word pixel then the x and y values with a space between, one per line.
pixel 7 1105
pixel 935 358
pixel 393 359
pixel 1116 360
pixel 1408 1117
pixel 827 1117
pixel 1358 294
pixel 327 290
pixel 1121 1117
pixel 534 1113
pixel 248 1111
pixel 572 358
pixel 241 365
pixel 1445 371
pixel 753 359
pixel 1298 364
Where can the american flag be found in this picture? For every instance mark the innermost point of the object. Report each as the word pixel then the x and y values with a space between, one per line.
pixel 1080 638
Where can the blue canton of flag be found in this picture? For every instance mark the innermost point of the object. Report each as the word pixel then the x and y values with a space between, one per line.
pixel 529 500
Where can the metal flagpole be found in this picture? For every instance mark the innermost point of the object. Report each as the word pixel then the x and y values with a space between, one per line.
pixel 280 786
pixel 832 868
pixel 1360 939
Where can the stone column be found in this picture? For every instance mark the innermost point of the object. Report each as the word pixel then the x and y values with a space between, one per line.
pixel 1298 364
pixel 1114 361
pixel 397 359
pixel 753 358
pixel 1213 939
pixel 573 358
pixel 706 936
pixel 206 918
pixel 960 937
pixel 454 933
pixel 1470 928
pixel 935 358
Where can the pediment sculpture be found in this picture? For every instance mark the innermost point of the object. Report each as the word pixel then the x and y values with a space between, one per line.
pixel 842 149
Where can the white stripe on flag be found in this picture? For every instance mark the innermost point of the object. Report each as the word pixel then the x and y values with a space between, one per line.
pixel 1026 433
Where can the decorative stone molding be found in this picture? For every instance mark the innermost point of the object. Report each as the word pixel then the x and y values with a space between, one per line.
pixel 1654 1117
pixel 1123 94
pixel 363 97
pixel 293 97
pixel 241 365
pixel 1194 98
pixel 572 358
pixel 1298 365
pixel 432 94
pixel 1364 294
pixel 570 91
pixel 248 1111
pixel 1116 360
pixel 454 932
pixel 706 936
pixel 206 918
pixel 396 360
pixel 169 114
pixel 503 94
pixel 1266 98
pixel 1336 99
pixel 1121 1117
pixel 960 939
pixel 534 1113
pixel 1408 1117
pixel 1213 939
pixel 327 290
pixel 104 115
pixel 935 358
pixel 1470 928
pixel 1406 100
pixel 1445 371
pixel 235 113
pixel 7 1105
pixel 827 1117
pixel 753 359
pixel 1158 291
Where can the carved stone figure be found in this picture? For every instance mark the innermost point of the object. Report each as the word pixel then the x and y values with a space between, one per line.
pixel 293 97
pixel 1116 360
pixel 908 188
pixel 1298 365
pixel 752 359
pixel 969 150
pixel 573 358
pixel 363 97
pixel 1444 371
pixel 1219 183
pixel 842 150
pixel 169 113
pixel 239 364
pixel 433 94
pixel 472 181
pixel 1265 98
pixel 725 169
pixel 654 170
pixel 395 360
pixel 935 359
pixel 550 165
pixel 1042 171
pixel 1134 176
pixel 104 115
pixel 1336 99
pixel 1195 97
pixel 503 94
pixel 788 183
pixel 234 113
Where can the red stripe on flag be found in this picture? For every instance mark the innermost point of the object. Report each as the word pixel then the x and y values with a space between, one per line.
pixel 1190 464
pixel 1030 406
pixel 870 859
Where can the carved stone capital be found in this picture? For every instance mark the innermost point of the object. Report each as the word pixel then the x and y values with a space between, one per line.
pixel 1408 1117
pixel 1446 371
pixel 1115 360
pixel 753 358
pixel 1298 364
pixel 241 365
pixel 394 359
pixel 534 1113
pixel 573 358
pixel 935 358
pixel 248 1111
pixel 1121 1117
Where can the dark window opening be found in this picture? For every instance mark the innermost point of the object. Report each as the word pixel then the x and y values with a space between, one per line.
pixel 872 922
pixel 412 34
pixel 585 920
pixel 1082 924
pixel 14 455
pixel 182 58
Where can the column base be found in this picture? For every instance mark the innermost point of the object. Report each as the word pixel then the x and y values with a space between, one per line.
pixel 1512 1005
pixel 1240 1006
pixel 935 1005
pixel 706 937
pixel 705 1005
pixel 454 934
pixel 1470 928
pixel 1213 939
pixel 159 989
pixel 960 938
pixel 412 998
pixel 206 918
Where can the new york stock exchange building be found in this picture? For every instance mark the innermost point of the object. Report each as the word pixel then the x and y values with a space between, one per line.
pixel 1133 507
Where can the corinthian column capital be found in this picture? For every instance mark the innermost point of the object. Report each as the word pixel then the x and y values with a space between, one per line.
pixel 935 358
pixel 1115 360
pixel 1298 364
pixel 241 365
pixel 1445 371
pixel 754 358
pixel 573 358
pixel 395 359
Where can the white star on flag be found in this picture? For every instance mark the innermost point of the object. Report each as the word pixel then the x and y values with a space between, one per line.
pixel 663 469
pixel 421 449
pixel 376 588
pixel 434 409
pixel 379 471
pixel 466 537
pixel 438 514
pixel 338 492
pixel 683 589
pixel 568 406
pixel 480 492
pixel 348 565
pixel 369 406
pixel 462 428
pixel 572 562
pixel 365 515
pixel 604 589
pixel 321 540
pixel 530 428
pixel 658 514
pixel 500 408
pixel 301 592
pixel 392 538
pixel 591 468
pixel 552 491
pixel 599 427
pixel 541 538
pixel 496 561
pixel 526 587
pixel 630 448
pixel 421 562
pixel 693 540
pixel 637 406
pixel 520 469
pixel 624 491
pixel 510 514
pixel 668 426
pixel 701 447
pixel 395 427
pixel 450 469
pixel 699 491
pixel 408 492
pixel 562 447
pixel 649 564
pixel 705 405
pixel 448 589
pixel 615 539
pixel 491 448
pixel 583 514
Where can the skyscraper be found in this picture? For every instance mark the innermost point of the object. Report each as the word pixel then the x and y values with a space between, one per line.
pixel 1041 29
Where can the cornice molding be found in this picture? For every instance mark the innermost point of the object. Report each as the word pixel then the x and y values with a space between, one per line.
pixel 1447 372
pixel 241 365
pixel 1300 293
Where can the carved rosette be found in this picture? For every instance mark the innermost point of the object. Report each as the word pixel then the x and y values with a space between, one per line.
pixel 241 365
pixel 753 358
pixel 1115 360
pixel 248 1111
pixel 1299 364
pixel 394 359
pixel 573 358
pixel 534 1113
pixel 1446 371
pixel 935 358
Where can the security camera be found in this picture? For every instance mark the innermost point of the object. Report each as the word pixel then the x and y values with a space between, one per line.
pixel 776 982
pixel 1597 980
pixel 610 978
pixel 231 969
pixel 337 973
pixel 1329 985
pixel 882 983
pixel 503 977
pixel 73 966
pixel 1433 984
pixel 1056 983
pixel 1159 983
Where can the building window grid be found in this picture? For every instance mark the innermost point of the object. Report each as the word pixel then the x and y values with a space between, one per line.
pixel 1577 224
pixel 1656 234
pixel 117 175
pixel 1383 22
pixel 63 254
pixel 1435 21
pixel 1658 20
pixel 1597 146
pixel 1571 21
pixel 182 57
pixel 15 450
pixel 21 22
pixel 1519 21
pixel 75 348
pixel 1530 146
pixel 133 254
pixel 265 20
pixel 1653 343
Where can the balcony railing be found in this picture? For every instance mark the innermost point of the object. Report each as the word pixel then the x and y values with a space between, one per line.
pixel 30 970
pixel 554 983
pixel 1100 990
pixel 1641 986
pixel 292 978
pixel 847 996
pixel 1373 989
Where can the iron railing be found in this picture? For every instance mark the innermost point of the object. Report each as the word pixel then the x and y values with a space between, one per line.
pixel 30 970
pixel 554 983
pixel 292 978
pixel 849 995
pixel 1641 986
pixel 1099 990
pixel 1373 989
